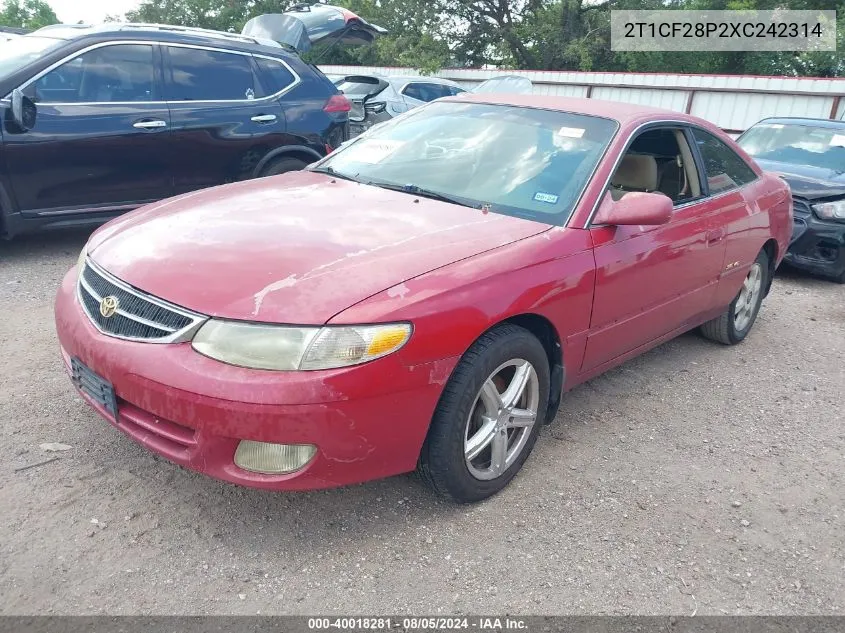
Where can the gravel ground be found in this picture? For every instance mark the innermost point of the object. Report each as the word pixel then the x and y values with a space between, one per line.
pixel 695 479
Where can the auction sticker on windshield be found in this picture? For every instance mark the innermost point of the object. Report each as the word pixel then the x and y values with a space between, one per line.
pixel 571 132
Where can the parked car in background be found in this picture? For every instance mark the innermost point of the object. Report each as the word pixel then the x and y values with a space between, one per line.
pixel 810 155
pixel 429 292
pixel 98 120
pixel 376 99
pixel 10 33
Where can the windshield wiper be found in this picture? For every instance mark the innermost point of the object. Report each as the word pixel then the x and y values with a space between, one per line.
pixel 414 190
pixel 331 171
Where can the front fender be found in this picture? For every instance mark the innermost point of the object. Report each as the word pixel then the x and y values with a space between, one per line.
pixel 551 275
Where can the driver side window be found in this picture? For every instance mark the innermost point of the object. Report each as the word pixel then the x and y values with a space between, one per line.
pixel 658 161
pixel 111 74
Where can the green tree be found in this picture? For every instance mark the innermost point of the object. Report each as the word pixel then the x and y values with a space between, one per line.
pixel 228 15
pixel 520 34
pixel 415 36
pixel 27 14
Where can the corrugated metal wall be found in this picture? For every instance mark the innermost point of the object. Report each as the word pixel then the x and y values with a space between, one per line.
pixel 734 103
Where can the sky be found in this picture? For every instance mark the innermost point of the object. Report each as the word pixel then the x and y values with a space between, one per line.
pixel 90 11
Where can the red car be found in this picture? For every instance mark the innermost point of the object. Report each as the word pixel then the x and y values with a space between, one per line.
pixel 420 298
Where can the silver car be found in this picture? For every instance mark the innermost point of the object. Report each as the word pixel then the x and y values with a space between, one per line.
pixel 376 98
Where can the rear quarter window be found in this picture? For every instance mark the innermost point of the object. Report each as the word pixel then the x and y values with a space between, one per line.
pixel 275 76
pixel 206 75
pixel 724 168
pixel 426 91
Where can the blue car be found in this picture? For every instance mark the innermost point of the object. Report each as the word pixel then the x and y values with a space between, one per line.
pixel 98 120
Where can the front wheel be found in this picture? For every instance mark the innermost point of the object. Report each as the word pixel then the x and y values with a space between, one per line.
pixel 282 166
pixel 488 417
pixel 734 324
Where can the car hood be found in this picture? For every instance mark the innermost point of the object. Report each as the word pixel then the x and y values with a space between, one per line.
pixel 296 248
pixel 808 182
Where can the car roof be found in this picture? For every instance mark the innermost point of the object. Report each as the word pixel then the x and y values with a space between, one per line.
pixel 788 120
pixel 419 79
pixel 403 79
pixel 158 32
pixel 616 110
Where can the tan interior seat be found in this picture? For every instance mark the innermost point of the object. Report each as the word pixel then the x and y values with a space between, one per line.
pixel 636 172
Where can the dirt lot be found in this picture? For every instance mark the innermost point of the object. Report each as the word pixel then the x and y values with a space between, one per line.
pixel 696 479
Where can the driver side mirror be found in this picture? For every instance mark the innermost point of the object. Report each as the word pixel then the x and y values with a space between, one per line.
pixel 635 208
pixel 23 110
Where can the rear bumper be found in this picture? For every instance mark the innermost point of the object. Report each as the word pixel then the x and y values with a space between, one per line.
pixel 817 246
pixel 367 422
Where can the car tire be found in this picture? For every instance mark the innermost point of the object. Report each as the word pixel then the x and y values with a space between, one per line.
pixel 734 324
pixel 282 166
pixel 457 459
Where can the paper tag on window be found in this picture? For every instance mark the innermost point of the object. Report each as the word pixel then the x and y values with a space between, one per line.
pixel 571 132
pixel 373 151
pixel 548 198
pixel 838 140
pixel 775 126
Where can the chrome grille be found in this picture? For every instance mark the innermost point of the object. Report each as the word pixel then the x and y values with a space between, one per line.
pixel 138 317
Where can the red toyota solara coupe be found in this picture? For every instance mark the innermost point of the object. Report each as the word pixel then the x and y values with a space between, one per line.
pixel 421 298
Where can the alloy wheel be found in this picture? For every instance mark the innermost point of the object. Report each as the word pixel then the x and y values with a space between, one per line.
pixel 501 419
pixel 748 298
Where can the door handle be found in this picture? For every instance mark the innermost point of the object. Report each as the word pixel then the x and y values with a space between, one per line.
pixel 264 118
pixel 150 125
pixel 715 236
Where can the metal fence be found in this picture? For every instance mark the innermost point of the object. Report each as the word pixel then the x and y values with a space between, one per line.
pixel 734 103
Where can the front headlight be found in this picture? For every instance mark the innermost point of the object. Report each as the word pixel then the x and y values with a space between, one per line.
pixel 830 210
pixel 282 347
pixel 80 261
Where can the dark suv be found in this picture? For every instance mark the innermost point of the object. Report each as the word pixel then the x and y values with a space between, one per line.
pixel 100 120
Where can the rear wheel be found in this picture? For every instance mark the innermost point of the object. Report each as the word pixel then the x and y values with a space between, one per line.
pixel 489 416
pixel 734 324
pixel 281 166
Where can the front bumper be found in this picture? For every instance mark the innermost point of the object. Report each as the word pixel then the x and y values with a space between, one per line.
pixel 367 422
pixel 817 246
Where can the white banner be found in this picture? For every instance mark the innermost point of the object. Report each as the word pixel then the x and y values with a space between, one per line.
pixel 779 30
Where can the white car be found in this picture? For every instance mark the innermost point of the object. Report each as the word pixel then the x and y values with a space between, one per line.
pixel 376 98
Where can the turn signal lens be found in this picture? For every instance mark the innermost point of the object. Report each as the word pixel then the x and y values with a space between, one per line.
pixel 387 340
pixel 273 459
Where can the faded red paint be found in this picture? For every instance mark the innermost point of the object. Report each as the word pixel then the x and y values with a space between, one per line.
pixel 306 249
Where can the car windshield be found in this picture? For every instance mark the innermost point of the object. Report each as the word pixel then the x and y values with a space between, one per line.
pixel 797 144
pixel 20 51
pixel 517 161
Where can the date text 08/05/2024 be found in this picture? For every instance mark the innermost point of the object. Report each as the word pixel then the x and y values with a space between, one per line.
pixel 483 624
